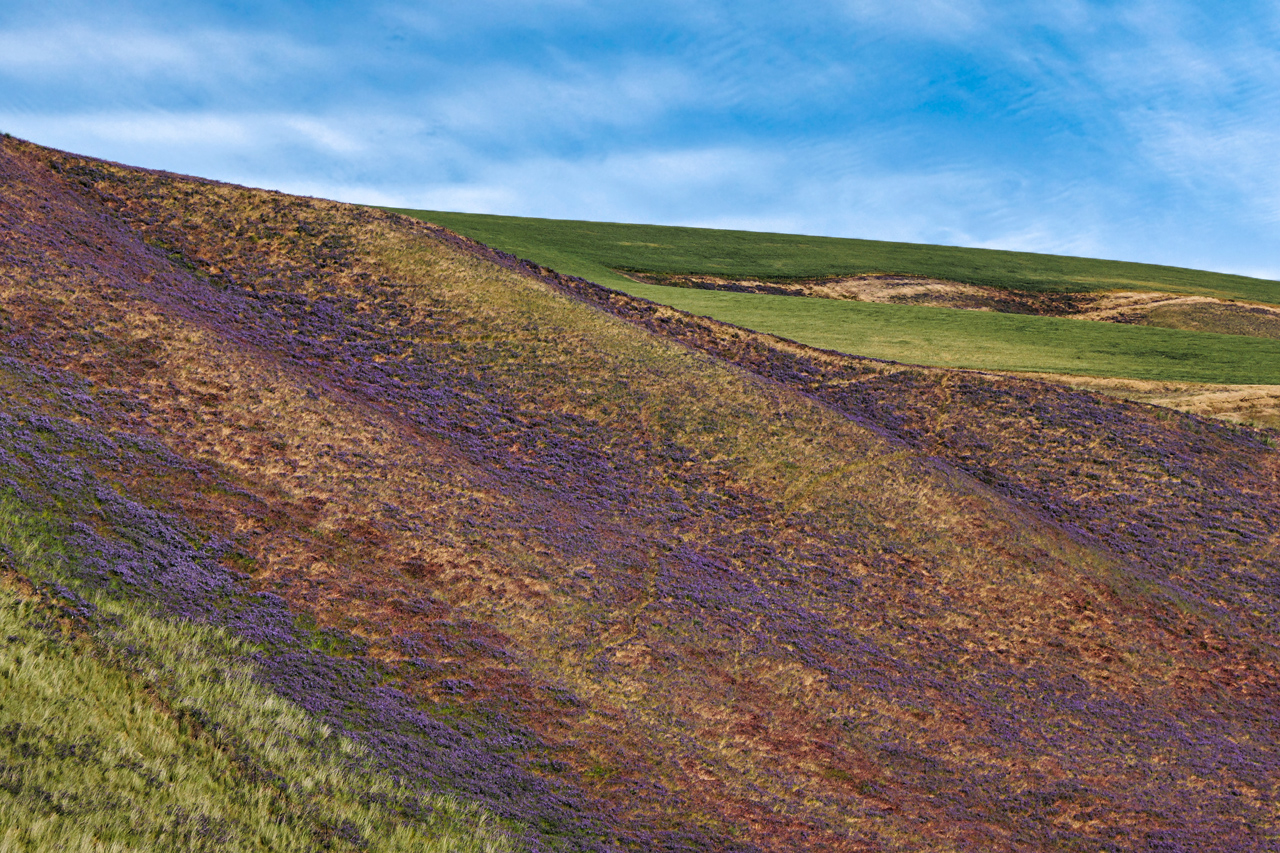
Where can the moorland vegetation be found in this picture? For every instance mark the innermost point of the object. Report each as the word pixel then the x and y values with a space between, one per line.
pixel 330 526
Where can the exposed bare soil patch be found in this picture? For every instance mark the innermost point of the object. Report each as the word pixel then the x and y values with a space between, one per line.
pixel 1168 310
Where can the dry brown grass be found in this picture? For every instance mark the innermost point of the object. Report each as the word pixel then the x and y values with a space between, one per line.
pixel 1256 405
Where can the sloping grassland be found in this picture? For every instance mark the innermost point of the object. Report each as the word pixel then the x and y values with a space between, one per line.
pixel 988 340
pixel 609 247
pixel 588 573
pixel 900 301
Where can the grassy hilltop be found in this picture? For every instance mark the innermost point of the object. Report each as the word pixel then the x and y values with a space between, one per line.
pixel 332 529
pixel 598 250
pixel 939 336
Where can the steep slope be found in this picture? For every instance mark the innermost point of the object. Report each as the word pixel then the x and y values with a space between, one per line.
pixel 640 580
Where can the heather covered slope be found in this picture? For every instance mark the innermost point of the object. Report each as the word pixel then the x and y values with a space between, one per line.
pixel 627 579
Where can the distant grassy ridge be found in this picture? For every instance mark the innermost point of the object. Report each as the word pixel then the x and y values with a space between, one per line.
pixel 949 337
pixel 594 250
pixel 943 337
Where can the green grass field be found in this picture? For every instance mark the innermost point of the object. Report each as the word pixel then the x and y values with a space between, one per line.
pixel 594 250
pixel 942 337
pixel 948 337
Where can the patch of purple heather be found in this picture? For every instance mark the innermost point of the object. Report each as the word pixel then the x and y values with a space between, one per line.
pixel 132 550
pixel 1176 496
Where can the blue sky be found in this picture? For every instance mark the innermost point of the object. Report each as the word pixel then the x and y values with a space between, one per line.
pixel 1142 130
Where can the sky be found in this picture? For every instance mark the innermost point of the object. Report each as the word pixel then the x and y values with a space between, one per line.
pixel 1142 130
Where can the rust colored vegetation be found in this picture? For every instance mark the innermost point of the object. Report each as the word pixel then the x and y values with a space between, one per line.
pixel 628 579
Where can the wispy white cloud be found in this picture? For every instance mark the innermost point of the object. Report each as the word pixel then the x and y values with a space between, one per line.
pixel 617 186
pixel 949 19
pixel 1231 164
pixel 844 194
pixel 1134 129
pixel 515 102
pixel 95 54
pixel 1176 52
pixel 1198 102
pixel 245 132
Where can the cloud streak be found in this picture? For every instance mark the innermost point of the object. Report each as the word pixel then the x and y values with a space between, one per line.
pixel 59 59
pixel 1056 125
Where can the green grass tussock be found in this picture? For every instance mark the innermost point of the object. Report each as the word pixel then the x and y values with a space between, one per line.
pixel 149 734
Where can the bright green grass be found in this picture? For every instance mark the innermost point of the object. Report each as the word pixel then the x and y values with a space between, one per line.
pixel 941 337
pixel 594 250
pixel 95 754
pixel 949 337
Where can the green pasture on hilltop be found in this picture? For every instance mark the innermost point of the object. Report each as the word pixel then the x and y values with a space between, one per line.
pixel 942 337
pixel 594 250
pixel 985 340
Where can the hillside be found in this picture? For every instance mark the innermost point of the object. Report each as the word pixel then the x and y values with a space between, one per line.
pixel 603 250
pixel 1197 341
pixel 524 560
